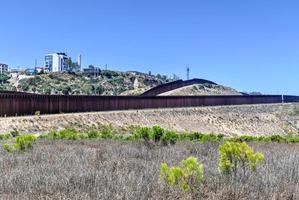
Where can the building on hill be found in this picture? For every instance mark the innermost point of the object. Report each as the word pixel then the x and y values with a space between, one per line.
pixel 3 68
pixel 92 71
pixel 56 62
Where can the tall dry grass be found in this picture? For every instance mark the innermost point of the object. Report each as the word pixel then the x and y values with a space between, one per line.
pixel 130 170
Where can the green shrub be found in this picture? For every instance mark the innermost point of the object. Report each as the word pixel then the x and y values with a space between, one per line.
pixel 201 137
pixel 66 134
pixel 277 138
pixel 211 138
pixel 273 138
pixel 5 136
pixel 107 133
pixel 24 141
pixel 142 133
pixel 24 84
pixel 108 73
pixel 93 134
pixel 15 133
pixel 157 133
pixel 235 155
pixel 186 177
pixel 8 148
pixel 169 137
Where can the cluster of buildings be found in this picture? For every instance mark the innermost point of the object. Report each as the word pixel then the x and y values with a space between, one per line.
pixel 55 62
pixel 59 62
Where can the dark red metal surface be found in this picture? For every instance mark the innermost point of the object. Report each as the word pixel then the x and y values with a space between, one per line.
pixel 174 85
pixel 290 99
pixel 12 104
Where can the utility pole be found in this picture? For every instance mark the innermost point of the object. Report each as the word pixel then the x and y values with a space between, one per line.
pixel 188 72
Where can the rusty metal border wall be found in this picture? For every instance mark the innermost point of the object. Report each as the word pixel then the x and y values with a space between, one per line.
pixel 290 99
pixel 174 85
pixel 18 104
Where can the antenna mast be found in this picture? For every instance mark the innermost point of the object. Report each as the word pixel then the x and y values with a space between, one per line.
pixel 188 72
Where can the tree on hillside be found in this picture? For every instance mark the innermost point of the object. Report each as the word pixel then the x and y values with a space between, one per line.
pixel 3 78
pixel 72 66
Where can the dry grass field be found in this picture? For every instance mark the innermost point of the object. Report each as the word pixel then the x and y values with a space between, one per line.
pixel 86 169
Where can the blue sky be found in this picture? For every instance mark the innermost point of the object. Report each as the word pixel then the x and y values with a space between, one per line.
pixel 250 45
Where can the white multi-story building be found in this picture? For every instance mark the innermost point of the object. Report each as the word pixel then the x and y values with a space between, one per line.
pixel 56 62
pixel 3 68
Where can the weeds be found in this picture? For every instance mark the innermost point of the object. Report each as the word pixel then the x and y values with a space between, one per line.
pixel 186 177
pixel 235 155
pixel 5 136
pixel 22 142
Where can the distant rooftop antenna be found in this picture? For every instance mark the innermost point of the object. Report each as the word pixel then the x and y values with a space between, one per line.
pixel 188 72
pixel 80 60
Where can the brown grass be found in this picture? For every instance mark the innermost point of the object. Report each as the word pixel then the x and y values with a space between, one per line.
pixel 130 170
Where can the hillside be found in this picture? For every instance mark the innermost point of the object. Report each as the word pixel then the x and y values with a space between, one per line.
pixel 202 89
pixel 229 120
pixel 107 83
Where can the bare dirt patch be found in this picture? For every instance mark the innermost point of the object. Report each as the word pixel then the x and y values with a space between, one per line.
pixel 228 120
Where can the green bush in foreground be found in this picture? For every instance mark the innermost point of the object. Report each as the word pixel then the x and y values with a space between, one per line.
pixel 22 142
pixel 186 177
pixel 235 155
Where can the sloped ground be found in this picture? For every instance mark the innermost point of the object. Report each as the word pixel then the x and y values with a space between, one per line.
pixel 202 89
pixel 229 120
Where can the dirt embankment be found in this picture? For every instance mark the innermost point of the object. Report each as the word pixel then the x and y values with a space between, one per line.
pixel 229 120
pixel 202 89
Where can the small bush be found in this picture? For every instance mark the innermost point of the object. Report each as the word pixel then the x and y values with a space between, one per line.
pixel 169 137
pixel 106 134
pixel 157 133
pixel 15 133
pixel 22 143
pixel 186 177
pixel 93 134
pixel 37 114
pixel 8 148
pixel 5 136
pixel 66 134
pixel 142 133
pixel 235 155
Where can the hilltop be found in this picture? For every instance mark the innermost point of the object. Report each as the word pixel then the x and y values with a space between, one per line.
pixel 106 83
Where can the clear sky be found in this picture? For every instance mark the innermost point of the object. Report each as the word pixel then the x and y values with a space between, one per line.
pixel 250 45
